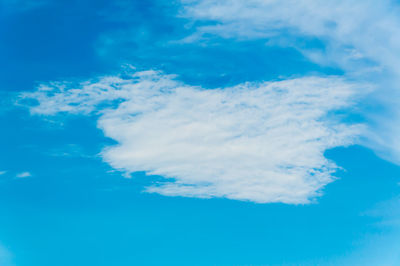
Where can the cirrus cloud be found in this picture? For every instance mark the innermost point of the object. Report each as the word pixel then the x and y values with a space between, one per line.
pixel 360 37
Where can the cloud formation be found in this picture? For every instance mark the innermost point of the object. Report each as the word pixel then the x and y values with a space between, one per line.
pixel 261 142
pixel 23 175
pixel 360 37
pixel 355 29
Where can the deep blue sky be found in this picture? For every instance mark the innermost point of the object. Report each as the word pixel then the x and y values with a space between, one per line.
pixel 75 209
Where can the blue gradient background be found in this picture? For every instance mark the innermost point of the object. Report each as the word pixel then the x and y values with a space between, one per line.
pixel 75 210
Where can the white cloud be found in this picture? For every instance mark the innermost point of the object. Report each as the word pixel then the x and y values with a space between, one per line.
pixel 262 142
pixel 358 28
pixel 361 37
pixel 23 175
pixel 3 172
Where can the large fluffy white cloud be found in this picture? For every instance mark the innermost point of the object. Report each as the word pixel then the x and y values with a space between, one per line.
pixel 262 142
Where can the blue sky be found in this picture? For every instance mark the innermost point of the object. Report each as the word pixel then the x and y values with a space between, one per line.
pixel 199 132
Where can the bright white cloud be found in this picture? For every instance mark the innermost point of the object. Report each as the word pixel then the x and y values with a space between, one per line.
pixel 262 142
pixel 23 175
pixel 361 37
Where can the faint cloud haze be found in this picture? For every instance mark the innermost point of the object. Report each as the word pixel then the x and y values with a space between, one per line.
pixel 23 175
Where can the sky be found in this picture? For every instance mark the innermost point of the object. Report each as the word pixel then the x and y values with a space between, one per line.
pixel 199 132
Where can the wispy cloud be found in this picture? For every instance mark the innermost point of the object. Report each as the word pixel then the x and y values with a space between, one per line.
pixel 23 175
pixel 262 142
pixel 360 37
pixel 3 172
pixel 353 29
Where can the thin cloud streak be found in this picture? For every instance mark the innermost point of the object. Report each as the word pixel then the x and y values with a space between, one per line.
pixel 23 175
